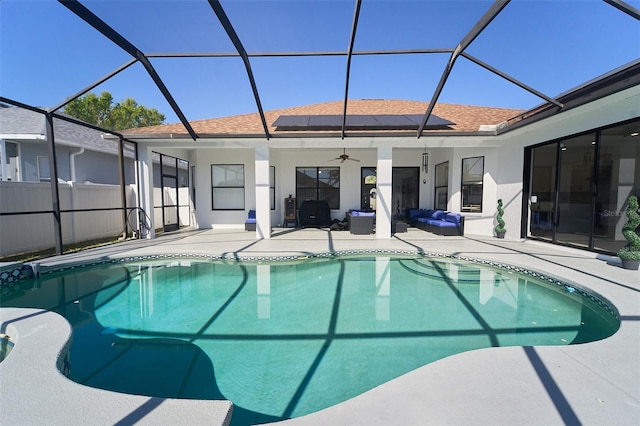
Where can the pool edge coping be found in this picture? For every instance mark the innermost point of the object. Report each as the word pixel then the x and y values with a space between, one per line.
pixel 258 259
pixel 32 395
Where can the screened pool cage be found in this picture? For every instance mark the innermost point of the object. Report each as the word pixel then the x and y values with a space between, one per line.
pixel 63 185
pixel 53 200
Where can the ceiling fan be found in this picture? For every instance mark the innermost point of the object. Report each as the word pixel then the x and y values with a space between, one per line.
pixel 344 157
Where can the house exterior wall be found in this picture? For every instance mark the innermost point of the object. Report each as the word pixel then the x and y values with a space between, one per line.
pixel 91 166
pixel 286 160
pixel 481 223
pixel 615 108
pixel 503 164
pixel 203 159
pixel 97 167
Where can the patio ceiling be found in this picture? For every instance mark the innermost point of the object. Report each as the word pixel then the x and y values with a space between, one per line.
pixel 222 54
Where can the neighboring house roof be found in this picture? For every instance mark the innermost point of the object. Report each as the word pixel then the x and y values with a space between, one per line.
pixel 24 124
pixel 467 118
pixel 19 121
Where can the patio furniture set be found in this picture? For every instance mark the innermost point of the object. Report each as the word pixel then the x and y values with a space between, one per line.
pixel 436 221
pixel 363 222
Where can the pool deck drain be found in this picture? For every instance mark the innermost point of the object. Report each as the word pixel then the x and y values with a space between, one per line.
pixel 594 383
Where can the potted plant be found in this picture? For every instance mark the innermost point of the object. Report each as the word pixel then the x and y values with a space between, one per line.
pixel 500 229
pixel 630 253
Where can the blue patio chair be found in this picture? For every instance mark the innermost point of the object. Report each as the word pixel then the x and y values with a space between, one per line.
pixel 250 223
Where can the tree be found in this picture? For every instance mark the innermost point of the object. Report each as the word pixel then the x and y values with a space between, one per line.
pixel 100 111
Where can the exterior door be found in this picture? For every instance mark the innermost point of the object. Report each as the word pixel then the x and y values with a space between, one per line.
pixel 169 189
pixel 405 183
pixel 368 195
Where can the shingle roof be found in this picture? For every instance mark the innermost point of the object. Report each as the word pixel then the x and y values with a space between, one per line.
pixel 467 118
pixel 20 121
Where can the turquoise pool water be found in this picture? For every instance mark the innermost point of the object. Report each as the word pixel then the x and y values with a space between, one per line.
pixel 284 339
pixel 6 344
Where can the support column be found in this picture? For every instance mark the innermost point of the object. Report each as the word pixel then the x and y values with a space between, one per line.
pixel 263 199
pixel 53 173
pixel 146 225
pixel 123 189
pixel 384 203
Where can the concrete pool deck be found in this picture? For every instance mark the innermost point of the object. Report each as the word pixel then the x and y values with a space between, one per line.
pixel 595 383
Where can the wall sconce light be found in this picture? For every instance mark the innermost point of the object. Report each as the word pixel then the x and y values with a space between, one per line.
pixel 425 162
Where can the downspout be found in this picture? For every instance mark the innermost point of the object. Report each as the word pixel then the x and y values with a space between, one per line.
pixel 73 189
pixel 72 162
pixel 3 158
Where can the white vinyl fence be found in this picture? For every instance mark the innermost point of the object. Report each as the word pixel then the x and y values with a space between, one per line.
pixel 29 232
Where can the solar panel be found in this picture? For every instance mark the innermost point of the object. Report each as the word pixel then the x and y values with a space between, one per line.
pixel 401 121
pixel 292 121
pixel 359 122
pixel 328 122
pixel 362 122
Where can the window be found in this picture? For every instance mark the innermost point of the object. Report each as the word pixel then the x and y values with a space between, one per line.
pixel 227 187
pixel 9 161
pixel 318 183
pixel 472 175
pixel 442 186
pixel 193 186
pixel 272 186
pixel 44 174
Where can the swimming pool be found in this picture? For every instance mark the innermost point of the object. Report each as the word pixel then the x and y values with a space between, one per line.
pixel 283 339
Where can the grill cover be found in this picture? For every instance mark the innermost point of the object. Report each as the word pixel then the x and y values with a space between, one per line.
pixel 314 214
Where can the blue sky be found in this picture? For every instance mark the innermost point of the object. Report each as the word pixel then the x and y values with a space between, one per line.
pixel 48 54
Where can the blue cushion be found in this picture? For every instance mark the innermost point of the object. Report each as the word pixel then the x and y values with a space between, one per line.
pixel 442 224
pixel 250 221
pixel 414 213
pixel 438 215
pixel 452 217
pixel 369 214
pixel 252 214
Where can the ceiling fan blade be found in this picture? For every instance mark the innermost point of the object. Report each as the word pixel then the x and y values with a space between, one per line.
pixel 353 159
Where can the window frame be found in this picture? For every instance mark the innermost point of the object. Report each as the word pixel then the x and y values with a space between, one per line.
pixel 214 187
pixel 317 188
pixel 46 160
pixel 272 186
pixel 472 187
pixel 436 204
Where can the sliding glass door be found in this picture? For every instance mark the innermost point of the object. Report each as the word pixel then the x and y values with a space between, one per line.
pixel 576 190
pixel 578 187
pixel 543 191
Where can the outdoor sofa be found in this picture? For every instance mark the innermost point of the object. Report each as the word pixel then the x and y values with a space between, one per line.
pixel 436 221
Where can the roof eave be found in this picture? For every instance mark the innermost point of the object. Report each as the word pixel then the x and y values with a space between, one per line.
pixel 619 79
pixel 297 135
